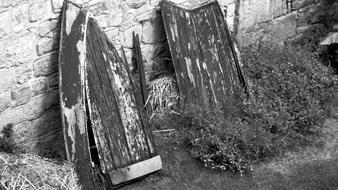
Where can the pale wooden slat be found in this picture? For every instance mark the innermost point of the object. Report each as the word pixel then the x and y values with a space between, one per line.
pixel 136 170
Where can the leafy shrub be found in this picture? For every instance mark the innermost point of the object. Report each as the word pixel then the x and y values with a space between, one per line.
pixel 311 37
pixel 7 143
pixel 291 92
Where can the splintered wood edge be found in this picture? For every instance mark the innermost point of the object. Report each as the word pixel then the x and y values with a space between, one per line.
pixel 136 170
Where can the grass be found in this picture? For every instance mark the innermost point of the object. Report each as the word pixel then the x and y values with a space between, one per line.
pixel 311 168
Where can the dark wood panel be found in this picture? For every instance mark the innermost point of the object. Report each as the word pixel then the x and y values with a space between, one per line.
pixel 206 66
pixel 140 68
pixel 72 92
pixel 119 107
pixel 98 97
pixel 103 98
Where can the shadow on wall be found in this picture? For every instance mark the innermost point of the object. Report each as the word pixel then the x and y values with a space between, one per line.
pixel 48 134
pixel 43 134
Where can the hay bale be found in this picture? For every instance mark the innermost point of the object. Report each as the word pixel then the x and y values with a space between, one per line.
pixel 27 171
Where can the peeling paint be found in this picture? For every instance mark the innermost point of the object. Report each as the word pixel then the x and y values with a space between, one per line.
pixel 129 112
pixel 189 70
pixel 71 15
pixel 198 64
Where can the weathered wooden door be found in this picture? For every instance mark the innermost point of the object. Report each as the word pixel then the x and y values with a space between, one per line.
pixel 72 91
pixel 205 62
pixel 121 132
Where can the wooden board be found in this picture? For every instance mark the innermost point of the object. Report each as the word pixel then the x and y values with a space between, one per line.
pixel 120 126
pixel 205 62
pixel 136 171
pixel 72 91
pixel 98 101
pixel 140 68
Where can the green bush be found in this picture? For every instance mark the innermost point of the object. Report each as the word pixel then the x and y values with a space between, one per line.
pixel 291 91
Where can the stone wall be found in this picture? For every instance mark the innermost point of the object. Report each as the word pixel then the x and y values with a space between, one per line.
pixel 29 39
pixel 282 20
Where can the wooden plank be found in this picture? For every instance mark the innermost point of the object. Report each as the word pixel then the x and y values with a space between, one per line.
pixel 140 67
pixel 142 113
pixel 93 75
pixel 136 170
pixel 72 91
pixel 102 95
pixel 207 69
pixel 116 102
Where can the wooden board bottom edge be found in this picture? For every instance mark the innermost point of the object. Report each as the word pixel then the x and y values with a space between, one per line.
pixel 136 170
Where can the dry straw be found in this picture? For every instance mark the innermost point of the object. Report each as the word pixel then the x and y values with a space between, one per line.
pixel 26 171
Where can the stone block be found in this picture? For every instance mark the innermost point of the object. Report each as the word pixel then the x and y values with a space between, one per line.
pixel 155 51
pixel 13 116
pixel 116 18
pixel 5 24
pixel 52 99
pixel 155 3
pixel 46 45
pixel 285 27
pixel 5 100
pixel 150 14
pixel 46 65
pixel 98 8
pixel 21 132
pixel 21 94
pixel 153 31
pixel 57 5
pixel 112 33
pixel 6 79
pixel 23 73
pixel 299 4
pixel 19 17
pixel 41 124
pixel 37 10
pixel 17 50
pixel 135 4
pixel 39 86
pixel 5 3
pixel 253 12
pixel 54 80
pixel 47 26
pixel 129 12
pixel 35 107
pixel 103 21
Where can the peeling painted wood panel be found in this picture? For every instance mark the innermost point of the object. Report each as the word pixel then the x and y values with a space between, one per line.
pixel 142 113
pixel 116 101
pixel 72 97
pixel 103 98
pixel 215 49
pixel 121 89
pixel 177 46
pixel 201 49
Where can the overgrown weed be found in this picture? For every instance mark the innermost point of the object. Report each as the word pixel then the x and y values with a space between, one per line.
pixel 292 91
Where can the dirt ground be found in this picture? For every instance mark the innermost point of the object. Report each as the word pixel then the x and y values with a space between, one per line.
pixel 307 169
